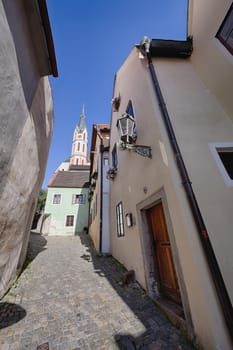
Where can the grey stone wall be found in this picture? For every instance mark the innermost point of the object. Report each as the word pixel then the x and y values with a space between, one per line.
pixel 26 120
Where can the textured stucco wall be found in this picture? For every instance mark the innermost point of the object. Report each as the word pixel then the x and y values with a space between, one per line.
pixel 198 119
pixel 26 125
pixel 213 62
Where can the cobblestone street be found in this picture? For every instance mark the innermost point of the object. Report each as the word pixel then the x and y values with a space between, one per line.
pixel 70 298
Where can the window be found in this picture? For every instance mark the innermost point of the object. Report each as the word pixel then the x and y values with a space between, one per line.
pixel 70 220
pixel 56 199
pixel 225 33
pixel 106 161
pixel 129 109
pixel 78 199
pixel 83 147
pixel 78 147
pixel 223 155
pixel 114 157
pixel 119 217
pixel 226 157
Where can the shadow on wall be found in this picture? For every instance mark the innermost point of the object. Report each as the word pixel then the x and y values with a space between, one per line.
pixel 82 214
pixel 43 224
pixel 159 333
pixel 36 245
pixel 36 218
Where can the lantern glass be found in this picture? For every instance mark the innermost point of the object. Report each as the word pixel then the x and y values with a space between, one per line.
pixel 125 127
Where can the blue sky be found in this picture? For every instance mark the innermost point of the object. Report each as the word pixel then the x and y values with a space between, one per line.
pixel 92 38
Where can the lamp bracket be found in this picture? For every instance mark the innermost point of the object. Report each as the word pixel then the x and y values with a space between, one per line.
pixel 144 151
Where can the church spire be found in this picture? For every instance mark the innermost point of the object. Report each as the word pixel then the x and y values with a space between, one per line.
pixel 82 123
pixel 79 155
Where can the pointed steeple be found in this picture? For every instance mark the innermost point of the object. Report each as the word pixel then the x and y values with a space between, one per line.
pixel 79 152
pixel 82 123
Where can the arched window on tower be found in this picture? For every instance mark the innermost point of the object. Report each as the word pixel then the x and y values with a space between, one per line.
pixel 82 161
pixel 83 148
pixel 78 146
pixel 77 161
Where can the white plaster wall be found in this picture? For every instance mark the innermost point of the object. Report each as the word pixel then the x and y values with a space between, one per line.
pixel 80 154
pixel 63 166
pixel 94 227
pixel 26 125
pixel 105 226
pixel 198 118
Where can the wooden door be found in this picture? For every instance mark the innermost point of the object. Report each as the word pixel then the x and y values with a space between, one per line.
pixel 165 266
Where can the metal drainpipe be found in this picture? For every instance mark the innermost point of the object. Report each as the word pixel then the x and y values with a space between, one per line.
pixel 201 228
pixel 101 189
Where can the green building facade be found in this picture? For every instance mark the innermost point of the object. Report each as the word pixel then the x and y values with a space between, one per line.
pixel 67 205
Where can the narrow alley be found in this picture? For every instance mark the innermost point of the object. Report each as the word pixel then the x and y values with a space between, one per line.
pixel 69 298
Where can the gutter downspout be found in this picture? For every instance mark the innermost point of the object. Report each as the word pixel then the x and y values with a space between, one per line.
pixel 217 278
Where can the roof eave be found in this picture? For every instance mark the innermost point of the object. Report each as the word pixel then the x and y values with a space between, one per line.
pixel 48 35
pixel 171 48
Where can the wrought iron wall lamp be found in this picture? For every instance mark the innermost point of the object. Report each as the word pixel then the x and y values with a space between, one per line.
pixel 126 129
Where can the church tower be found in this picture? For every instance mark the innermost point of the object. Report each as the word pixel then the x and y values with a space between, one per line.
pixel 80 141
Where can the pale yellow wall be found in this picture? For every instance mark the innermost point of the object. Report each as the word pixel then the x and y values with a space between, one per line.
pixel 211 59
pixel 198 119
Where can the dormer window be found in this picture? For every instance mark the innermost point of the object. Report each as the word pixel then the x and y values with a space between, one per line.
pixel 225 33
